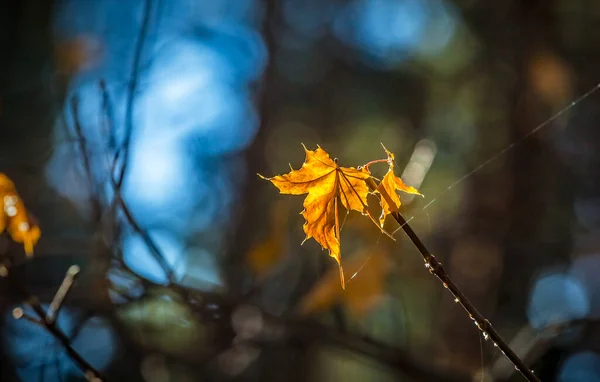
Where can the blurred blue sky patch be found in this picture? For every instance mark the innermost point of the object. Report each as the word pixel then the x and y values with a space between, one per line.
pixel 140 259
pixel 193 112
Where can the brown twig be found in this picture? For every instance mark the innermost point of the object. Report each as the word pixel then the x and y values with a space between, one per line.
pixel 436 268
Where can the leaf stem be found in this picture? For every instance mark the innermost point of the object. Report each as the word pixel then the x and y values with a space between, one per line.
pixel 436 268
pixel 375 161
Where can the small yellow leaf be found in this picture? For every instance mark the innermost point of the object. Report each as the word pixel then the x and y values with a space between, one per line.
pixel 13 216
pixel 389 185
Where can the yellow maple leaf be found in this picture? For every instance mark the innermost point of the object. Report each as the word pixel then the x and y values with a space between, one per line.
pixel 13 216
pixel 389 184
pixel 327 185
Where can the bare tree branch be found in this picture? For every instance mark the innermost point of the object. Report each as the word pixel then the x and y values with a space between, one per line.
pixel 132 87
pixel 49 323
pixel 436 268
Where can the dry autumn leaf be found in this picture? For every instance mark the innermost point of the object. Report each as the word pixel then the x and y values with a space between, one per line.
pixel 389 184
pixel 327 185
pixel 13 216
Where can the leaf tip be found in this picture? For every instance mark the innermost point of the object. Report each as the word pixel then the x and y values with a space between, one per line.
pixel 28 246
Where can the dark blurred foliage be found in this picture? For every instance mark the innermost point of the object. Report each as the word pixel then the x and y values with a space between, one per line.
pixel 192 268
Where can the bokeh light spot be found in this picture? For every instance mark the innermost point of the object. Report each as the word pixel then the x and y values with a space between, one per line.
pixel 556 298
pixel 390 31
pixel 581 367
pixel 586 269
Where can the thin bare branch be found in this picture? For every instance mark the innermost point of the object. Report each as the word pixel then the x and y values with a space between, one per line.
pixel 436 268
pixel 129 103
